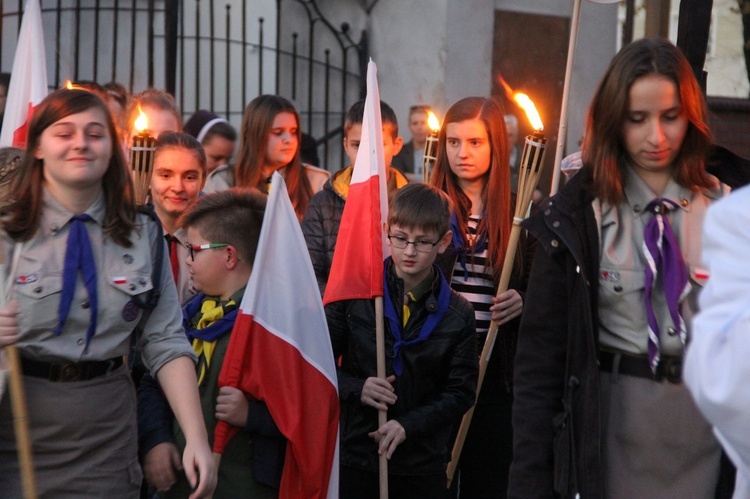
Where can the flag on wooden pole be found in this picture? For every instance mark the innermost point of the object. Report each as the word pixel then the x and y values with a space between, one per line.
pixel 280 352
pixel 357 266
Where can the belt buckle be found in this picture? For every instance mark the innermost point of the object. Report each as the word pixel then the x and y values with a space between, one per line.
pixel 64 372
pixel 671 370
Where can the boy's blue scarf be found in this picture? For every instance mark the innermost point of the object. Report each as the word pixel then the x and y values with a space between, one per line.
pixel 215 330
pixel 459 247
pixel 433 319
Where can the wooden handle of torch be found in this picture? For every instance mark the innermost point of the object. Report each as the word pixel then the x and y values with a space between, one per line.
pixel 18 406
pixel 489 343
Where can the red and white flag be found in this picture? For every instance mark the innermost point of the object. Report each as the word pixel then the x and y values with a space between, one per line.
pixel 357 266
pixel 28 82
pixel 280 352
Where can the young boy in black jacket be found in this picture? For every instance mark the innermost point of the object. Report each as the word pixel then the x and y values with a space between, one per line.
pixel 431 359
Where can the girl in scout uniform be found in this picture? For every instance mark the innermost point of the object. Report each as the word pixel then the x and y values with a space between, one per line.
pixel 600 407
pixel 74 214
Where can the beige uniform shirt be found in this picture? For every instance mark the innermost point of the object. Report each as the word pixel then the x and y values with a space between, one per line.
pixel 623 325
pixel 122 273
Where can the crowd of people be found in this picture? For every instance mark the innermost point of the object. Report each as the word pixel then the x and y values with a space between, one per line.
pixel 583 393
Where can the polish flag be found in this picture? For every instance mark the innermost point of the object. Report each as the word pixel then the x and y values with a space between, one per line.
pixel 280 352
pixel 28 82
pixel 357 266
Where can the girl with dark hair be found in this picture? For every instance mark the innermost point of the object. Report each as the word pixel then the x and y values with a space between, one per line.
pixel 269 141
pixel 600 407
pixel 73 212
pixel 472 168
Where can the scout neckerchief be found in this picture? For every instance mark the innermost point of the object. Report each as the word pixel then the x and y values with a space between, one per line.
pixel 215 321
pixel 78 256
pixel 432 321
pixel 663 255
pixel 460 248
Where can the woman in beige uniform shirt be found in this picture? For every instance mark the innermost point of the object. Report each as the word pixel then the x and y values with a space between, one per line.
pixel 74 215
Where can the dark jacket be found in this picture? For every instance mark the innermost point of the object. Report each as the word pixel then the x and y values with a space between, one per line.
pixel 437 385
pixel 404 160
pixel 320 225
pixel 557 375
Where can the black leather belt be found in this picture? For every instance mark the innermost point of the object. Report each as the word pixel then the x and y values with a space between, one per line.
pixel 669 368
pixel 69 371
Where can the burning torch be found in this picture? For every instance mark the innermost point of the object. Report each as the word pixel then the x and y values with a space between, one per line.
pixel 142 157
pixel 430 146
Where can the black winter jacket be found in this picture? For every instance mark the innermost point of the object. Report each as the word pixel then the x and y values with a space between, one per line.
pixel 437 386
pixel 557 374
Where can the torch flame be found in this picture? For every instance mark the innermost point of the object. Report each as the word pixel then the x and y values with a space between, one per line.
pixel 69 85
pixel 141 123
pixel 433 122
pixel 531 112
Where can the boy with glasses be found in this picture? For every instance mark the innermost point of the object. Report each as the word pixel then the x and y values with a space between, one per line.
pixel 431 359
pixel 222 238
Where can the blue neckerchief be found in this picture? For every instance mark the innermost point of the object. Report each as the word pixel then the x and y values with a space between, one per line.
pixel 433 319
pixel 78 257
pixel 459 247
pixel 212 332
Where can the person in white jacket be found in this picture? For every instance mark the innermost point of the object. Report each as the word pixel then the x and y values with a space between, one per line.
pixel 717 368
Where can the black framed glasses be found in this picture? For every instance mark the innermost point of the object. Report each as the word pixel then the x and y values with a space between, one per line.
pixel 402 243
pixel 195 248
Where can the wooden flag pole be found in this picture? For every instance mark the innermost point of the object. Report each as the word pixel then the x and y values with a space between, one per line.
pixel 18 405
pixel 531 161
pixel 382 415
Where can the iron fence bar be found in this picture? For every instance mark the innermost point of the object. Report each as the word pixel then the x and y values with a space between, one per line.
pixel 132 46
pixel 97 8
pixel 260 56
pixel 151 10
pixel 228 58
pixel 278 44
pixel 212 65
pixel 76 75
pixel 170 46
pixel 182 54
pixel 244 54
pixel 311 53
pixel 58 20
pixel 114 40
pixel 197 54
pixel 294 65
pixel 327 98
pixel 2 15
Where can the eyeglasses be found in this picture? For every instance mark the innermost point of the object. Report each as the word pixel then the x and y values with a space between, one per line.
pixel 195 248
pixel 421 246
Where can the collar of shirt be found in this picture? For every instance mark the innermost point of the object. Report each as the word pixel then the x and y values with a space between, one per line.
pixel 55 215
pixel 638 195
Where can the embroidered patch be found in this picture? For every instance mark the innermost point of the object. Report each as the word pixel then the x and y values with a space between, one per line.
pixel 699 273
pixel 120 280
pixel 130 311
pixel 611 276
pixel 26 279
pixel 128 259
